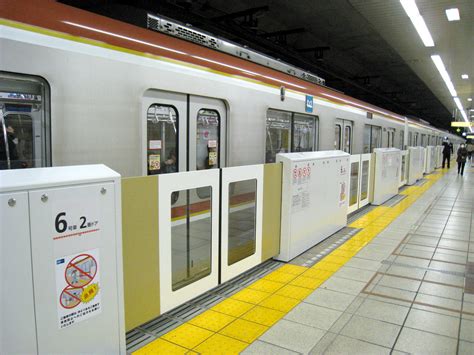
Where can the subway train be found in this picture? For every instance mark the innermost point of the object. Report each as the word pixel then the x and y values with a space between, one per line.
pixel 79 88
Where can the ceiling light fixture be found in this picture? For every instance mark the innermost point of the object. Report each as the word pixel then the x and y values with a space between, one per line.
pixel 469 99
pixel 414 14
pixel 461 110
pixel 465 76
pixel 444 74
pixel 453 14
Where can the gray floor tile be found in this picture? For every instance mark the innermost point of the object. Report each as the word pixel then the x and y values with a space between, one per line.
pixel 467 330
pixel 436 304
pixel 406 271
pixel 371 330
pixel 429 288
pixel 330 299
pixel 393 295
pixel 314 316
pixel 341 322
pixel 418 342
pixel 323 344
pixel 400 282
pixel 293 336
pixel 343 285
pixel 466 348
pixel 433 322
pixel 352 273
pixel 345 345
pixel 363 264
pixel 260 347
pixel 383 311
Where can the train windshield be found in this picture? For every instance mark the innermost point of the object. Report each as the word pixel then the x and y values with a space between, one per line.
pixel 24 122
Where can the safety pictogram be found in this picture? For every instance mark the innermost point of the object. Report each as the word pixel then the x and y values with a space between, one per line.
pixel 78 287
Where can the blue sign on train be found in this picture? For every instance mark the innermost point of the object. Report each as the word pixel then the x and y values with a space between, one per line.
pixel 309 103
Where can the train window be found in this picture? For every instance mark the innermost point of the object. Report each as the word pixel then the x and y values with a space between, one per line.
pixel 347 139
pixel 364 183
pixel 191 231
pixel 390 137
pixel 415 143
pixel 402 139
pixel 278 134
pixel 25 139
pixel 423 140
pixel 367 134
pixel 376 138
pixel 207 139
pixel 162 139
pixel 337 137
pixel 303 138
pixel 410 139
pixel 242 220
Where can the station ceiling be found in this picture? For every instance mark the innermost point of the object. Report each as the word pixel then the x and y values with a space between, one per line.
pixel 368 49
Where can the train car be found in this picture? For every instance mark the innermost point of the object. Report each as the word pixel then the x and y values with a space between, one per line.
pixel 79 88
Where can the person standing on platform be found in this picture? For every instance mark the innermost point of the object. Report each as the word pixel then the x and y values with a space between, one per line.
pixel 447 148
pixel 461 159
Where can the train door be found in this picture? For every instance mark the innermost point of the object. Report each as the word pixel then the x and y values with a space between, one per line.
pixel 343 135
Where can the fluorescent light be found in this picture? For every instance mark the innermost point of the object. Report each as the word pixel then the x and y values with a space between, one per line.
pixel 444 74
pixel 469 99
pixel 465 76
pixel 453 14
pixel 412 11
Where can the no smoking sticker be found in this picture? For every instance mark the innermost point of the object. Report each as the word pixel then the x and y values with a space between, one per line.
pixel 78 287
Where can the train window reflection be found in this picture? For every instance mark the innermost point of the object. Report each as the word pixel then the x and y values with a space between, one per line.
pixel 347 139
pixel 242 220
pixel 337 137
pixel 364 184
pixel 354 183
pixel 162 139
pixel 191 234
pixel 278 134
pixel 24 122
pixel 207 143
pixel 303 133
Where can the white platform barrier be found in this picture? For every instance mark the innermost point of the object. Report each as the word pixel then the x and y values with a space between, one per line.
pixel 314 199
pixel 430 159
pixel 359 182
pixel 61 261
pixel 403 168
pixel 415 164
pixel 439 156
pixel 387 174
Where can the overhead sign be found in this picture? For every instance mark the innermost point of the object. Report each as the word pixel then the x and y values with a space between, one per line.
pixel 309 103
pixel 462 124
pixel 471 136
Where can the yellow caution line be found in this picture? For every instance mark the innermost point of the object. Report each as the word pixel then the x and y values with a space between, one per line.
pixel 233 324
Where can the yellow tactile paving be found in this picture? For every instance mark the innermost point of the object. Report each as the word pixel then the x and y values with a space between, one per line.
pixel 292 269
pixel 307 282
pixel 292 291
pixel 264 316
pixel 212 320
pixel 266 285
pixel 244 330
pixel 187 335
pixel 232 307
pixel 279 303
pixel 279 277
pixel 231 325
pixel 250 296
pixel 160 346
pixel 221 344
pixel 316 274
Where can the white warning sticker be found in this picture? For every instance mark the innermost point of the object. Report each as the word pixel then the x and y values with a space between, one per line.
pixel 78 287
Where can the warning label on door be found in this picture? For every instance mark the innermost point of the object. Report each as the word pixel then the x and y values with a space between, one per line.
pixel 78 287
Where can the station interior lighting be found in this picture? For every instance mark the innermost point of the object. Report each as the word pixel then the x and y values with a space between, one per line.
pixel 469 99
pixel 414 14
pixel 453 14
pixel 444 74
pixel 465 76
